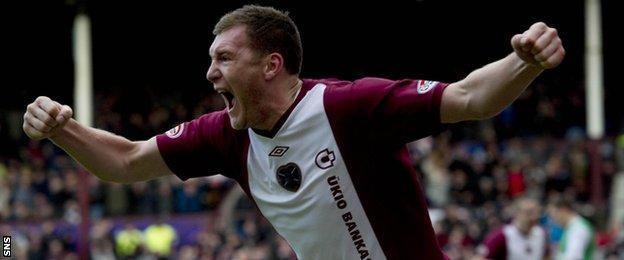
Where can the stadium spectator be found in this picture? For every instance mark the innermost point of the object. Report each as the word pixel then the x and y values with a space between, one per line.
pixel 5 194
pixel 159 239
pixel 522 239
pixel 436 176
pixel 578 238
pixel 128 242
pixel 58 251
pixel 617 246
pixel 256 61
pixel 188 197
pixel 101 243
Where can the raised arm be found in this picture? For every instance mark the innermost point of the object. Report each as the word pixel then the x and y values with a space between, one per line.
pixel 106 155
pixel 489 90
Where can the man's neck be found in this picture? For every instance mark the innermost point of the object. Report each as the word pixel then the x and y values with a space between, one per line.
pixel 569 218
pixel 278 103
pixel 523 230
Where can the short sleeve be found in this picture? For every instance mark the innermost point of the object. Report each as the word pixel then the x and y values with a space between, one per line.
pixel 198 147
pixel 397 111
pixel 496 245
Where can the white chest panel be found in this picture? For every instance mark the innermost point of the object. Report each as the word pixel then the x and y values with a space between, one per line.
pixel 521 247
pixel 323 218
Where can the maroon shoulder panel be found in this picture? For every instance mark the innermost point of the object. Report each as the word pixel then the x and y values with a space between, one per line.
pixel 205 146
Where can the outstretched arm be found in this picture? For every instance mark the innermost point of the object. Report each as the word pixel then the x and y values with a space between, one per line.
pixel 487 91
pixel 108 156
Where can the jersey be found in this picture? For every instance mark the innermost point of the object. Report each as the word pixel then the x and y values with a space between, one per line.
pixel 509 243
pixel 333 176
pixel 577 241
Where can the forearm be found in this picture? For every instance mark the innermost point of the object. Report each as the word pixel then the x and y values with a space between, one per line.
pixel 102 153
pixel 495 86
pixel 489 90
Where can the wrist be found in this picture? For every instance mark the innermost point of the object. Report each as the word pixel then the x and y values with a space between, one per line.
pixel 525 64
pixel 61 134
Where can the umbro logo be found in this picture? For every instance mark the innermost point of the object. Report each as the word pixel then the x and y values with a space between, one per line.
pixel 278 151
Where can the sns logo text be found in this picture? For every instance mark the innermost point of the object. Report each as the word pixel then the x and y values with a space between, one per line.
pixel 6 246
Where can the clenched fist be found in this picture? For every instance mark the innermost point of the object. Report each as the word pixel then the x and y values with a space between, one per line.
pixel 45 117
pixel 539 45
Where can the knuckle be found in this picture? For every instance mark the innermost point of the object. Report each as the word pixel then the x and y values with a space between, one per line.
pixel 41 100
pixel 557 41
pixel 537 57
pixel 540 57
pixel 49 121
pixel 551 32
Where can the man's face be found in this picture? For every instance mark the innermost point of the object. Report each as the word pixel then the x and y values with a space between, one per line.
pixel 237 74
pixel 528 214
pixel 556 214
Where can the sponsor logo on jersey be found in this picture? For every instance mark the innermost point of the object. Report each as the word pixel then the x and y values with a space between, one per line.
pixel 351 226
pixel 423 86
pixel 289 176
pixel 325 159
pixel 176 131
pixel 279 151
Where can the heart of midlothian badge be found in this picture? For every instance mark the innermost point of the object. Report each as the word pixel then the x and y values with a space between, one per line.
pixel 289 176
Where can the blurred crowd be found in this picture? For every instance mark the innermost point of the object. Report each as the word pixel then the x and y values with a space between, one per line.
pixel 471 186
pixel 470 173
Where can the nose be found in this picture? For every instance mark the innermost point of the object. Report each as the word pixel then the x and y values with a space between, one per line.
pixel 213 73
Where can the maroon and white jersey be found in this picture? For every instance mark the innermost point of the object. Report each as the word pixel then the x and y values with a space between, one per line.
pixel 334 176
pixel 509 243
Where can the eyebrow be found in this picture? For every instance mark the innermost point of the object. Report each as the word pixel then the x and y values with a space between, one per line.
pixel 222 51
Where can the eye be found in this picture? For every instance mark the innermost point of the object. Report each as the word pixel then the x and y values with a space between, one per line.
pixel 223 57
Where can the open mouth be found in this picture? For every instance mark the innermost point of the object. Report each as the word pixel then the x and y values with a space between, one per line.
pixel 229 99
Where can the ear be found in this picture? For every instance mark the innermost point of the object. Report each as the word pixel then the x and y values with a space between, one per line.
pixel 273 65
